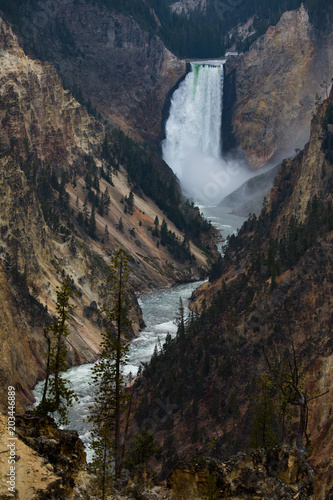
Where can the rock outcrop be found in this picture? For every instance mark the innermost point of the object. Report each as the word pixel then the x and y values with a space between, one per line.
pixel 50 463
pixel 185 7
pixel 275 85
pixel 275 474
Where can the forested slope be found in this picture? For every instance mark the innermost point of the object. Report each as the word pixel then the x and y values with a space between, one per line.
pixel 267 309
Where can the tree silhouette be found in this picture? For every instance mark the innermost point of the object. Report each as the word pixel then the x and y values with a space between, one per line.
pixel 108 374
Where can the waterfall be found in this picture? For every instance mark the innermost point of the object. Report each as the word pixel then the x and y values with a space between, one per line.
pixel 193 143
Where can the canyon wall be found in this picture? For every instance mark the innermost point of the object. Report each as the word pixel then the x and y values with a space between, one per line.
pixel 48 142
pixel 107 58
pixel 269 300
pixel 273 89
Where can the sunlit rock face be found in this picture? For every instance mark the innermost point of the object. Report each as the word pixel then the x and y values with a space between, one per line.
pixel 276 83
pixel 277 473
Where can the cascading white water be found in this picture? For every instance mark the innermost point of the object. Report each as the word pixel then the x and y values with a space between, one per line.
pixel 193 143
pixel 195 117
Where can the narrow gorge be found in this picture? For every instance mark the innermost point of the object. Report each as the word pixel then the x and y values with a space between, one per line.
pixel 212 168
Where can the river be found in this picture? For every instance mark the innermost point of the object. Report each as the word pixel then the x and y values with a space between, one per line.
pixel 158 310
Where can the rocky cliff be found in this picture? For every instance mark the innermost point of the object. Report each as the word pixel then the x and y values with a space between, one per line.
pixel 51 464
pixel 105 58
pixel 48 144
pixel 274 89
pixel 185 7
pixel 276 474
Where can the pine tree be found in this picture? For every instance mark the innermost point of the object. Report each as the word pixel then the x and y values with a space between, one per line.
pixel 108 374
pixel 57 396
pixel 180 319
pixel 141 450
pixel 130 202
pixel 263 432
pixel 106 233
pixel 92 223
pixel 289 378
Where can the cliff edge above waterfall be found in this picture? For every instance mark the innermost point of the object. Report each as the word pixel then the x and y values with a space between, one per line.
pixel 106 59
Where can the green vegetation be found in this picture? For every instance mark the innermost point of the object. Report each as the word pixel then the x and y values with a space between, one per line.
pixel 194 371
pixel 196 35
pixel 281 253
pixel 263 433
pixel 179 250
pixel 112 401
pixel 57 395
pixel 199 35
pixel 149 174
pixel 141 450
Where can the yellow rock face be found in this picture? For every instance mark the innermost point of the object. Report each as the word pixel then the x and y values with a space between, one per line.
pixel 277 83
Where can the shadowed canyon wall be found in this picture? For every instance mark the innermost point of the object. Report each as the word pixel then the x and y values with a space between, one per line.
pixel 124 71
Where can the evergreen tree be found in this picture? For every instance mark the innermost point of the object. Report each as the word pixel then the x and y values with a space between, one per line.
pixel 92 223
pixel 106 233
pixel 57 396
pixel 289 379
pixel 263 433
pixel 108 373
pixel 130 202
pixel 141 450
pixel 180 319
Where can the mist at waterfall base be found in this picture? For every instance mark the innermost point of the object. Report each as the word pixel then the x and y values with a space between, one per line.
pixel 193 144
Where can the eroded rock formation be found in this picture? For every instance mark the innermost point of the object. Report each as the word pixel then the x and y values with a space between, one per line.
pixel 276 474
pixel 45 131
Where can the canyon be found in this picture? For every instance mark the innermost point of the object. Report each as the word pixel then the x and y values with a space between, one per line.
pixel 268 299
pixel 273 88
pixel 82 93
pixel 44 127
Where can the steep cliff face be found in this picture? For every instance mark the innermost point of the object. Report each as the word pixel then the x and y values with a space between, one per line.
pixel 276 83
pixel 51 464
pixel 107 58
pixel 48 143
pixel 35 112
pixel 275 474
pixel 36 109
pixel 187 6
